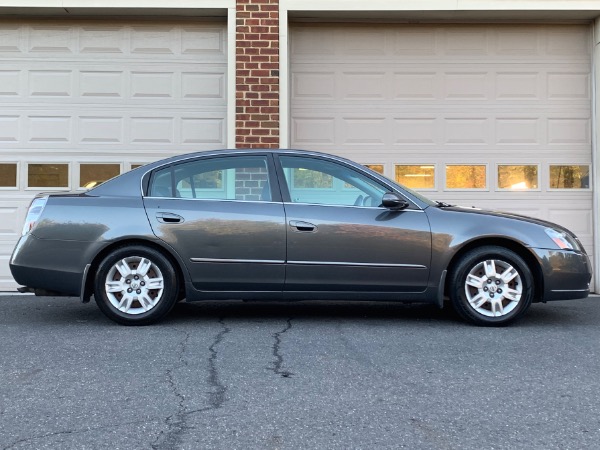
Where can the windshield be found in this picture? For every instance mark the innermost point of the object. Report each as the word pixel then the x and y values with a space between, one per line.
pixel 419 196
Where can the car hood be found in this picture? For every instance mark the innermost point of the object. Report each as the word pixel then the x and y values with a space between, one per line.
pixel 506 215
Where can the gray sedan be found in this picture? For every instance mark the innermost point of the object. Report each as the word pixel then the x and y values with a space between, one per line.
pixel 286 225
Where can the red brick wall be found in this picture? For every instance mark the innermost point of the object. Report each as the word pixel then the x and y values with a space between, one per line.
pixel 257 74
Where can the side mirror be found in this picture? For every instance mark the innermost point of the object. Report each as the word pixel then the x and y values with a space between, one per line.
pixel 392 200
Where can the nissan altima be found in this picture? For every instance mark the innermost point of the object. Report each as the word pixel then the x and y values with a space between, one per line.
pixel 286 225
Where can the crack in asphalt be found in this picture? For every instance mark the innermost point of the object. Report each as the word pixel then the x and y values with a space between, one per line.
pixel 87 430
pixel 217 396
pixel 176 423
pixel 278 363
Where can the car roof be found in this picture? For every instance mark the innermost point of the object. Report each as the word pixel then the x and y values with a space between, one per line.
pixel 242 151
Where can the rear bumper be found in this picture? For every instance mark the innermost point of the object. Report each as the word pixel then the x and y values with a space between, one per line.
pixel 46 282
pixel 31 258
pixel 567 274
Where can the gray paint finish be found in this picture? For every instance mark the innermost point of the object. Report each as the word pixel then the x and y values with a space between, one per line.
pixel 228 230
pixel 394 248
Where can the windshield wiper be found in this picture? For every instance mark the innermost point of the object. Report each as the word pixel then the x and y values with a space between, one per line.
pixel 443 204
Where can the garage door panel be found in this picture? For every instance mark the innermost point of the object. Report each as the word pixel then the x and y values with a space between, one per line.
pixel 569 85
pixel 95 39
pixel 568 42
pixel 415 85
pixel 522 130
pixel 569 130
pixel 542 86
pixel 463 43
pixel 415 131
pixel 9 129
pixel 90 85
pixel 55 130
pixel 10 226
pixel 100 129
pixel 540 132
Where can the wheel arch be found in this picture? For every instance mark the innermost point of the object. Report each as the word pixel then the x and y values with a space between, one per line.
pixel 89 274
pixel 516 247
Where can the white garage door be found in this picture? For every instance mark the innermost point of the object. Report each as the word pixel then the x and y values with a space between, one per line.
pixel 494 116
pixel 84 101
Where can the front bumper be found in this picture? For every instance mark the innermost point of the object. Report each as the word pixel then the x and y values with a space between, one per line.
pixel 567 274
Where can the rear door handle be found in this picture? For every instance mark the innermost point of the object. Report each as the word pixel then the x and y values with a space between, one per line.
pixel 167 217
pixel 303 226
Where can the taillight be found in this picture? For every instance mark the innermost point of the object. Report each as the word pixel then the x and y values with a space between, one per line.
pixel 33 214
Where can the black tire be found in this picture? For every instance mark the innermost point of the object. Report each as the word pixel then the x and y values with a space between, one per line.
pixel 509 299
pixel 147 303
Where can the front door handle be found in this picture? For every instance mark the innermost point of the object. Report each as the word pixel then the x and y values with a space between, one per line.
pixel 303 226
pixel 167 217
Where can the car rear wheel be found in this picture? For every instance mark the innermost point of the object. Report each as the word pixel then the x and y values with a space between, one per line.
pixel 491 286
pixel 135 285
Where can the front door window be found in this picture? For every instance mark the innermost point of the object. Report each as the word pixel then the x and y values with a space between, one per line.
pixel 316 181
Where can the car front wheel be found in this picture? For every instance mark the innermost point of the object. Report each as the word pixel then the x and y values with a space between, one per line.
pixel 135 285
pixel 491 286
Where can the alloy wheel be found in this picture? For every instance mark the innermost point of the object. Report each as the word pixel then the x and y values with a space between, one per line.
pixel 134 285
pixel 493 288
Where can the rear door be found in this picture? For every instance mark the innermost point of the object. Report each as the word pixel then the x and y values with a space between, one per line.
pixel 339 238
pixel 224 219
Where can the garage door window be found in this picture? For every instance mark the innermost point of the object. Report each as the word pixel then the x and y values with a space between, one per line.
pixel 48 175
pixel 569 177
pixel 518 178
pixel 8 175
pixel 416 176
pixel 91 175
pixel 466 176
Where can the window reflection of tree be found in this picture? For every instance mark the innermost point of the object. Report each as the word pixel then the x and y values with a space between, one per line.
pixel 465 177
pixel 569 177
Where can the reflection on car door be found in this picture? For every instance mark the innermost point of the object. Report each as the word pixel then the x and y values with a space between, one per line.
pixel 219 215
pixel 340 239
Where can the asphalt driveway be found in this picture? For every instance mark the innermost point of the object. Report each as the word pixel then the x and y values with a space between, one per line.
pixel 304 375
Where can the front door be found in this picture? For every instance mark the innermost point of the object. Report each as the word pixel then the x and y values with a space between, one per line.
pixel 339 238
pixel 219 215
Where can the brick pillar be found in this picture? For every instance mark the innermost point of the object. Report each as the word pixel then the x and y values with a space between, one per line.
pixel 257 74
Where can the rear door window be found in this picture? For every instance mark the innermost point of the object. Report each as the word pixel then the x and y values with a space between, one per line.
pixel 243 178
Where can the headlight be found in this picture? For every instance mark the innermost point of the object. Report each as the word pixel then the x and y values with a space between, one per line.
pixel 33 214
pixel 562 239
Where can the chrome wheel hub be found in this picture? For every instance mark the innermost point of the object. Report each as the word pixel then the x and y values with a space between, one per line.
pixel 493 288
pixel 134 285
